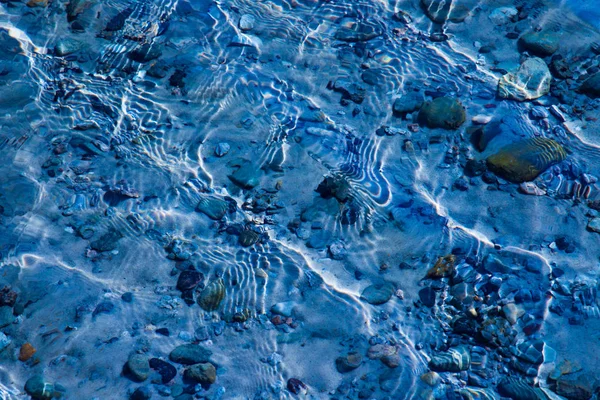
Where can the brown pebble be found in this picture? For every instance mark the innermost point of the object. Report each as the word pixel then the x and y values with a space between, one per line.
pixel 277 320
pixel 27 351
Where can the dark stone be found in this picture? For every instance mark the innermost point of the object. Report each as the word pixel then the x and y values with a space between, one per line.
pixel 350 91
pixel 127 297
pixel 8 297
pixel 104 307
pixel 163 331
pixel 442 112
pixel 188 280
pixel 427 296
pixel 117 22
pixel 141 393
pixel 591 86
pixel 106 242
pixel 541 44
pixel 164 369
pixel 176 80
pixel 408 103
pixel 334 186
pixel 145 53
pixel 296 386
pixel 474 168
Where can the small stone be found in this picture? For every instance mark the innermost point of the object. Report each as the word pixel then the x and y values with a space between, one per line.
pixel 26 352
pixel 166 371
pixel 189 279
pixel 378 294
pixel 503 15
pixel 454 360
pixel 441 11
pixel 285 308
pixel 67 46
pixel 431 378
pixel 296 386
pixel 591 86
pixel 349 362
pixel 127 297
pixel 141 393
pixel 442 112
pixel 8 297
pixel 38 388
pixel 4 341
pixel 6 316
pixel 443 268
pixel 539 43
pixel 222 149
pixel 247 22
pixel 203 373
pixel 594 225
pixel 408 103
pixel 138 367
pixel 427 296
pixel 190 354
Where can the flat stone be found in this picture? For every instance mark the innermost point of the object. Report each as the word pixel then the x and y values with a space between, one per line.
pixel 442 112
pixel 190 354
pixel 539 43
pixel 378 293
pixel 530 81
pixel 138 367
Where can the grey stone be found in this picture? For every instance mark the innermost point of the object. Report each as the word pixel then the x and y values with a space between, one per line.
pixel 138 367
pixel 530 81
pixel 204 373
pixel 190 354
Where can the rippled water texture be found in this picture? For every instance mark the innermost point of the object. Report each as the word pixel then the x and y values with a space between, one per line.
pixel 321 199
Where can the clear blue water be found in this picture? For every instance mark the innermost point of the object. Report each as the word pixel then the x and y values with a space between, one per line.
pixel 299 199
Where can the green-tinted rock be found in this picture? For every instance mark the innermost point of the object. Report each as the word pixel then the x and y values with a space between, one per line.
pixel 378 293
pixel 190 354
pixel 37 388
pixel 138 367
pixel 211 297
pixel 530 81
pixel 213 207
pixel 539 43
pixel 443 112
pixel 525 160
pixel 204 373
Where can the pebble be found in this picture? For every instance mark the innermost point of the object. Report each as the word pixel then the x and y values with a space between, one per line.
pixel 349 362
pixel 378 294
pixel 222 149
pixel 166 371
pixel 530 81
pixel 247 22
pixel 203 373
pixel 442 112
pixel 141 393
pixel 25 352
pixel 138 367
pixel 296 386
pixel 190 354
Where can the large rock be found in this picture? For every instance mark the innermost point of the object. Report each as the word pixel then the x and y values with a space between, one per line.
pixel 190 354
pixel 204 373
pixel 530 81
pixel 525 160
pixel 539 43
pixel 408 103
pixel 441 11
pixel 442 112
pixel 591 86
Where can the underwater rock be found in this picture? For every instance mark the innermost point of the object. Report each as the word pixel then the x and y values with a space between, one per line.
pixel 145 53
pixel 594 225
pixel 248 237
pixel 481 135
pixel 138 367
pixel 26 352
pixel 378 294
pixel 443 268
pixel 357 32
pixel 39 389
pixel 518 389
pixel 427 296
pixel 166 371
pixel 580 387
pixel 296 386
pixel 349 362
pixel 442 112
pixel 454 360
pixel 141 393
pixel 503 15
pixel 188 354
pixel 106 242
pixel 408 103
pixel 117 22
pixel 213 207
pixel 541 44
pixel 350 91
pixel 246 176
pixel 222 149
pixel 530 81
pixel 441 11
pixel 526 160
pixel 211 297
pixel 6 316
pixel 189 280
pixel 203 373
pixel 591 86
pixel 67 46
pixel 334 186
pixel 247 22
